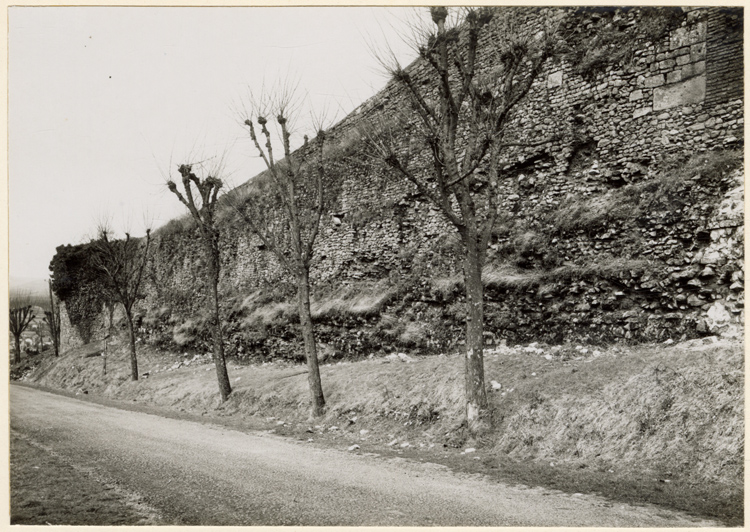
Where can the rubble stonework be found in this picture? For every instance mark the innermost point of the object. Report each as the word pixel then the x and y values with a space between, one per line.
pixel 676 97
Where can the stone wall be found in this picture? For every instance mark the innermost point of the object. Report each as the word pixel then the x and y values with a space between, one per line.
pixel 675 270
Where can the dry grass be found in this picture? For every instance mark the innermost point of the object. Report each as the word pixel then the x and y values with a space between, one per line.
pixel 179 225
pixel 270 314
pixel 507 276
pixel 510 277
pixel 664 411
pixel 345 302
pixel 187 332
pixel 352 302
pixel 592 214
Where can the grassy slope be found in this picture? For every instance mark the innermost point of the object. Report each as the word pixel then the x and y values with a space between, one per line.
pixel 652 423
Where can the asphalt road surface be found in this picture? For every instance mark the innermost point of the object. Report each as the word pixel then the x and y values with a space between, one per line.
pixel 191 473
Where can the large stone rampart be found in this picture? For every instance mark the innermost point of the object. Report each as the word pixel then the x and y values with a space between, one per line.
pixel 674 270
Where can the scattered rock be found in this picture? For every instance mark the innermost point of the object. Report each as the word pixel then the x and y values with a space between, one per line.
pixel 697 342
pixel 353 447
pixel 712 257
pixel 717 317
pixel 469 450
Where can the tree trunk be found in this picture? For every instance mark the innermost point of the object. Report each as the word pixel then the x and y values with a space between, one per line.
pixel 133 358
pixel 56 340
pixel 212 250
pixel 311 352
pixel 111 310
pixel 17 359
pixel 478 417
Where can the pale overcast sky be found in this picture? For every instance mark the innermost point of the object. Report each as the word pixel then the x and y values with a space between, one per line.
pixel 101 99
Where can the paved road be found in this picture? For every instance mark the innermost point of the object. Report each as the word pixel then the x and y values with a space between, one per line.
pixel 199 474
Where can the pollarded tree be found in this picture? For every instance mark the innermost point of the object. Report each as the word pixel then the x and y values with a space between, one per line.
pixel 122 263
pixel 52 317
pixel 462 114
pixel 21 316
pixel 287 218
pixel 203 210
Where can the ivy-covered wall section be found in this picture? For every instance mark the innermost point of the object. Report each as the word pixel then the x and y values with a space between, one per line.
pixel 78 285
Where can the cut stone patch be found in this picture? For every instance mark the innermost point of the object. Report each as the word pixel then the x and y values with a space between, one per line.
pixel 689 91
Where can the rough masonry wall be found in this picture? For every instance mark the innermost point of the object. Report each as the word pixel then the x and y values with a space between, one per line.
pixel 677 97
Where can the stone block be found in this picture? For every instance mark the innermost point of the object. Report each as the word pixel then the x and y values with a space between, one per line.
pixel 698 33
pixel 555 79
pixel 686 92
pixel 667 63
pixel 674 77
pixel 699 67
pixel 717 317
pixel 636 95
pixel 654 81
pixel 679 38
pixel 698 52
pixel 683 60
pixel 643 111
pixel 712 257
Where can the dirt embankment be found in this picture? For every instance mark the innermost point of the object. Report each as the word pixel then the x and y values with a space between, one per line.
pixel 657 423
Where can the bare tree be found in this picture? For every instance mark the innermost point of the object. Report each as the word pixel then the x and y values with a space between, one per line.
pixel 21 316
pixel 52 317
pixel 287 218
pixel 462 115
pixel 122 263
pixel 203 210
